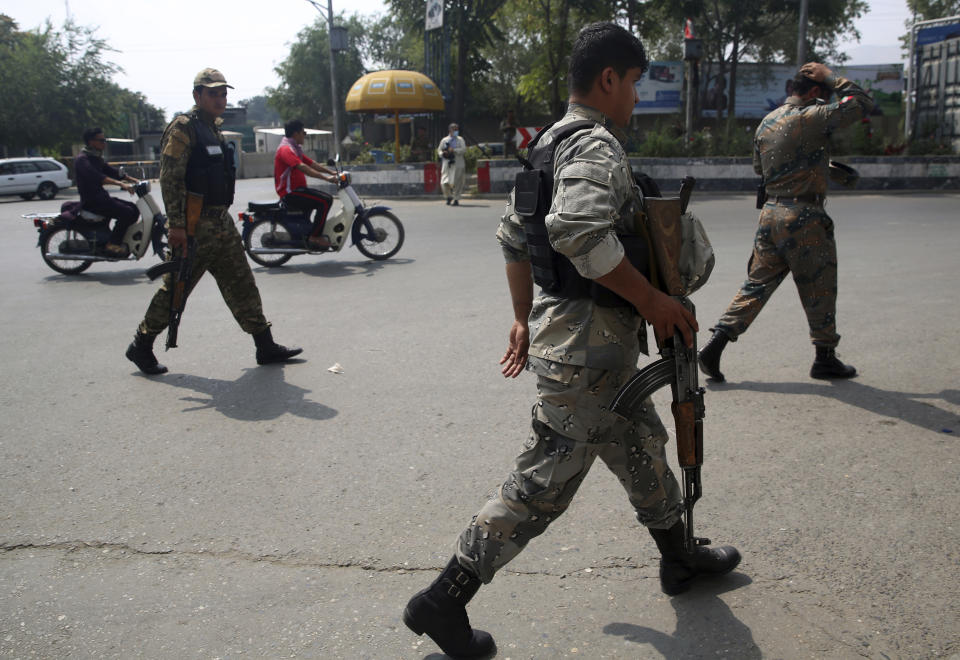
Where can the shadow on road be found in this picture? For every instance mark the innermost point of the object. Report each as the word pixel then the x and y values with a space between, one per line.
pixel 901 405
pixel 110 278
pixel 259 394
pixel 334 268
pixel 706 627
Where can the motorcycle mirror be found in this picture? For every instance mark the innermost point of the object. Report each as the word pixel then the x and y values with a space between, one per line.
pixel 331 161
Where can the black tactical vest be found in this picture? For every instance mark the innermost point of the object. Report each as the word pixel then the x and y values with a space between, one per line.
pixel 533 196
pixel 210 170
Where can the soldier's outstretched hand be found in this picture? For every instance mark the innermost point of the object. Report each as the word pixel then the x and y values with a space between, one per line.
pixel 515 359
pixel 666 314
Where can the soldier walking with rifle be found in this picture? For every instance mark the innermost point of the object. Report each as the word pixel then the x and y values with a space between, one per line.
pixel 574 227
pixel 197 179
pixel 795 234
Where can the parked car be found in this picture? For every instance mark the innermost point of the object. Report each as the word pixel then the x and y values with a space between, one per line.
pixel 27 177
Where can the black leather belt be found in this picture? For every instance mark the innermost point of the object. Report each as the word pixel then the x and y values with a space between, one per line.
pixel 809 198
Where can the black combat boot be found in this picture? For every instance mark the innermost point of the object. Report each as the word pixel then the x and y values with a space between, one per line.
pixel 440 611
pixel 827 366
pixel 140 352
pixel 710 355
pixel 678 568
pixel 269 351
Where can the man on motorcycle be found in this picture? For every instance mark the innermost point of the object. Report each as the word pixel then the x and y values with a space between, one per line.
pixel 290 170
pixel 91 173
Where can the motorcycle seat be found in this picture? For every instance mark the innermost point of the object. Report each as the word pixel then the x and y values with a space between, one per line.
pixel 273 205
pixel 90 216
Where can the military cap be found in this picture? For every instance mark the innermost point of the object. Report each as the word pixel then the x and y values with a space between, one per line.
pixel 210 78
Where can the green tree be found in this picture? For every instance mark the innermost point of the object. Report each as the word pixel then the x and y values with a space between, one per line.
pixel 763 31
pixel 473 27
pixel 927 10
pixel 259 110
pixel 57 83
pixel 304 89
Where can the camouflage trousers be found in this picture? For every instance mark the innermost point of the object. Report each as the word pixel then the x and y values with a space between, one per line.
pixel 571 427
pixel 795 238
pixel 220 251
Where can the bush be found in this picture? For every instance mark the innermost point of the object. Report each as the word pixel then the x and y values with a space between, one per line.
pixel 929 147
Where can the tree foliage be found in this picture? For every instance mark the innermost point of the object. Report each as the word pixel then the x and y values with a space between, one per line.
pixel 304 89
pixel 57 83
pixel 259 111
pixel 928 10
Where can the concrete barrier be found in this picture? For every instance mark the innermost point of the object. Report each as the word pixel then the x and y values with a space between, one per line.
pixel 495 177
pixel 736 174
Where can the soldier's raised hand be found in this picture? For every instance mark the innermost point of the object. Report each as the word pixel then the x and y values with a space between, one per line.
pixel 815 71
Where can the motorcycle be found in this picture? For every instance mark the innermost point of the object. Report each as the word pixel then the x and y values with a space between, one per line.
pixel 272 234
pixel 70 245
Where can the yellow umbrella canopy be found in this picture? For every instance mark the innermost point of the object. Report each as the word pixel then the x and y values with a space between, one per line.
pixel 394 91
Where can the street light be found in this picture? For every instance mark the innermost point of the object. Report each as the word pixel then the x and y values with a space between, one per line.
pixel 338 34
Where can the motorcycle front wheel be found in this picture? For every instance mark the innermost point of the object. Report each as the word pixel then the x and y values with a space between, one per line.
pixel 63 240
pixel 381 236
pixel 266 234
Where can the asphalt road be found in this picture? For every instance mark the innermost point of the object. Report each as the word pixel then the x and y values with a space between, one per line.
pixel 226 510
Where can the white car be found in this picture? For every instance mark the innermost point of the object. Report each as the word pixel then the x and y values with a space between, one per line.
pixel 27 177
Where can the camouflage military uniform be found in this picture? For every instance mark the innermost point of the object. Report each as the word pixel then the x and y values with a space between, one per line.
pixel 219 247
pixel 791 151
pixel 582 354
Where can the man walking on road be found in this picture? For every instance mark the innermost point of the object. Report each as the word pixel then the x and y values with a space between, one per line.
pixel 195 158
pixel 582 351
pixel 453 169
pixel 791 152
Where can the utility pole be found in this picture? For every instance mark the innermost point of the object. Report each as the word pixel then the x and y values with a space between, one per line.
pixel 333 81
pixel 333 72
pixel 802 34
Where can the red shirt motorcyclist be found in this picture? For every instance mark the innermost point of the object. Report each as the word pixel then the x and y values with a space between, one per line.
pixel 291 167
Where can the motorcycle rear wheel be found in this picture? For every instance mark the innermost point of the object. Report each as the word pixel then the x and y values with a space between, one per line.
pixel 387 237
pixel 51 245
pixel 259 236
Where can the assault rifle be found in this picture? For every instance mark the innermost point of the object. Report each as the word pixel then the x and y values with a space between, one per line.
pixel 182 267
pixel 678 364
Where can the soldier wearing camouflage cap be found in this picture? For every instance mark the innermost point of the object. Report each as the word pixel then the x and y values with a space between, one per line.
pixel 792 153
pixel 582 352
pixel 194 157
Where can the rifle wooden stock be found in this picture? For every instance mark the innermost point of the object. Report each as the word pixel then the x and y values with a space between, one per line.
pixel 689 445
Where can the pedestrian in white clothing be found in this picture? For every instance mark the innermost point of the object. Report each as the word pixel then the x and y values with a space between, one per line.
pixel 453 171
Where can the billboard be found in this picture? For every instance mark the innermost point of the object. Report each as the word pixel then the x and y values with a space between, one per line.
pixel 764 87
pixel 659 91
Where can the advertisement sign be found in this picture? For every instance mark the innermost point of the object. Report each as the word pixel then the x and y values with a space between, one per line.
pixel 434 14
pixel 764 87
pixel 659 91
pixel 937 33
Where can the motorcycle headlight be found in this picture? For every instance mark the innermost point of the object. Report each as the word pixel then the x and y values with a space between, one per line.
pixel 345 178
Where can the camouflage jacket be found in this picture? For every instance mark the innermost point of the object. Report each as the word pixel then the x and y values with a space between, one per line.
pixel 175 149
pixel 594 196
pixel 791 148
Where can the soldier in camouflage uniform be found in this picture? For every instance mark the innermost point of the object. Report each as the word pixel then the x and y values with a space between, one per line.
pixel 194 157
pixel 581 353
pixel 791 152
